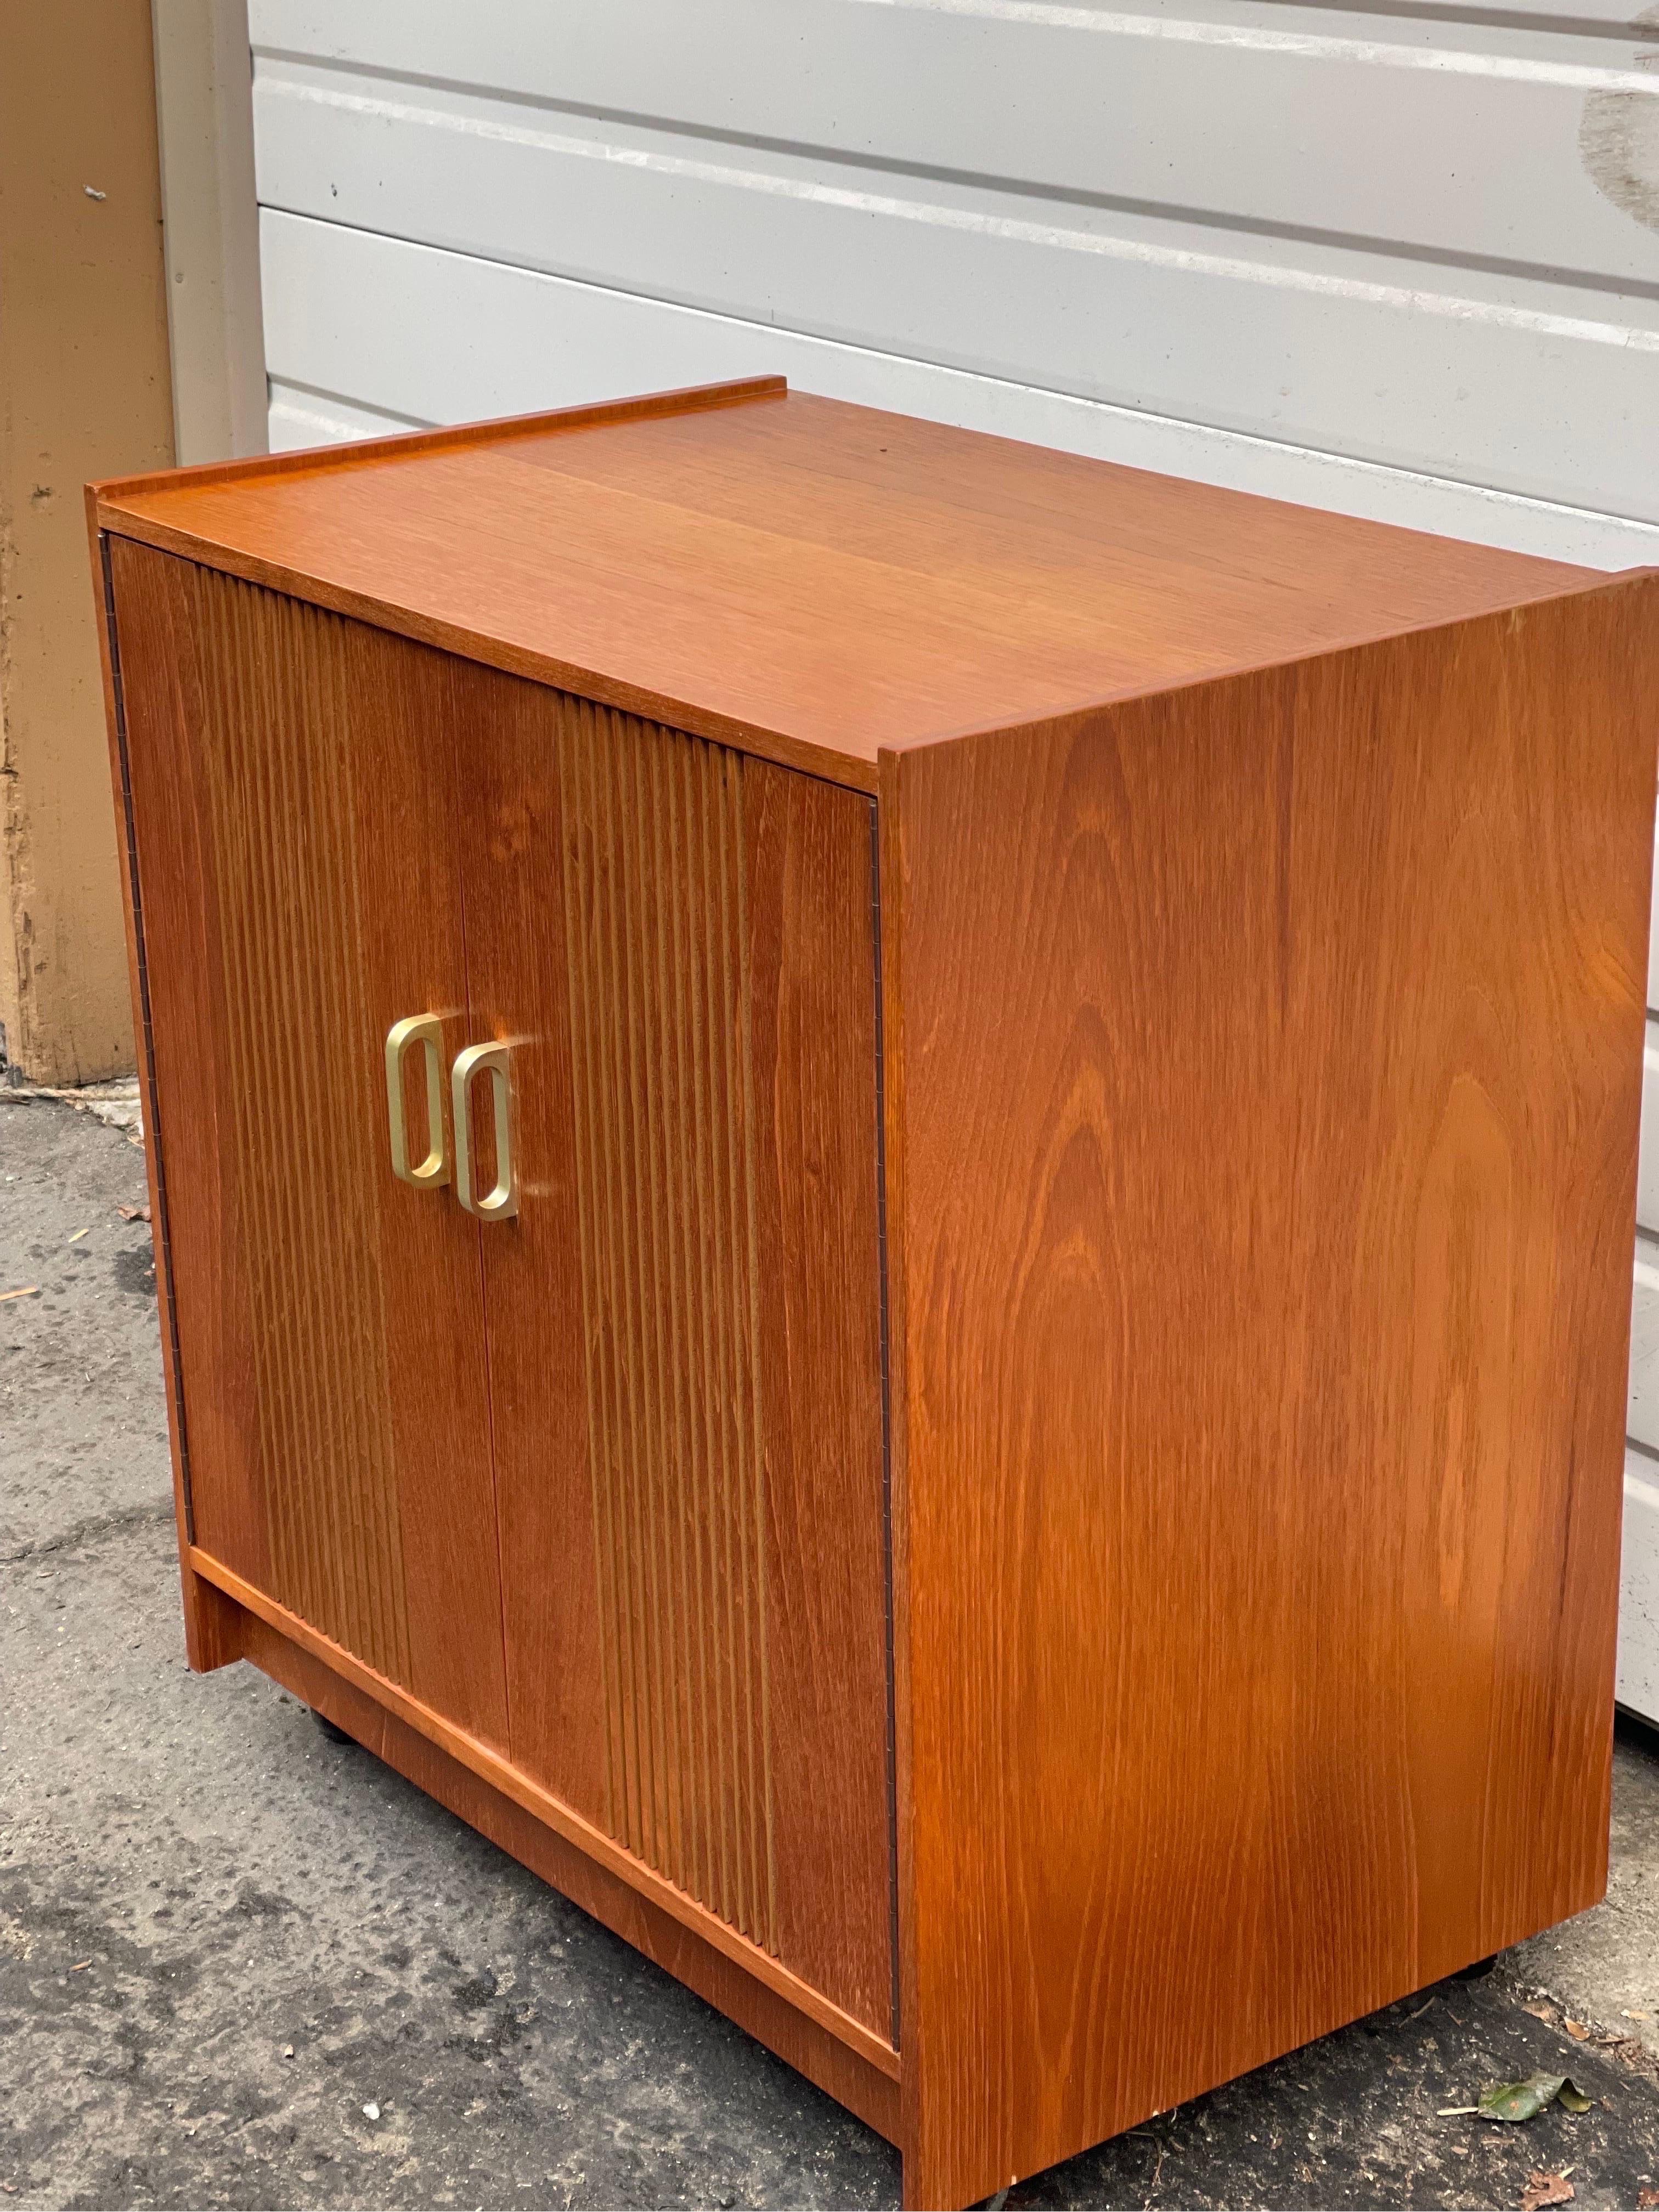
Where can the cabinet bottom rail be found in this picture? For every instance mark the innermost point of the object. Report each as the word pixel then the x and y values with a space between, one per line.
pixel 838 2053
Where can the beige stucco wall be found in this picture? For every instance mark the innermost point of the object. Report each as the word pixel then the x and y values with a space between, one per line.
pixel 84 392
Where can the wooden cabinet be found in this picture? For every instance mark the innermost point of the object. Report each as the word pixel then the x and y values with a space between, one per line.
pixel 896 1179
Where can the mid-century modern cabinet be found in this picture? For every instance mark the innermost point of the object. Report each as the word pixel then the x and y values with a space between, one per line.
pixel 896 1180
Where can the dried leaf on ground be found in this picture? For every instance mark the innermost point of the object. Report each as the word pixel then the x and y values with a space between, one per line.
pixel 1546 2189
pixel 1647 2200
pixel 133 1213
pixel 1576 2031
pixel 1524 2100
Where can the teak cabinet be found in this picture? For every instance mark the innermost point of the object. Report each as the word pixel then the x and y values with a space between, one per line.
pixel 895 1178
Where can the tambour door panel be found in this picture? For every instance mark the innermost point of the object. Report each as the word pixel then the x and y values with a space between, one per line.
pixel 685 1320
pixel 292 779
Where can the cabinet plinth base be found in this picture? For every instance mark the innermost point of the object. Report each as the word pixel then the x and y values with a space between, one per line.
pixel 771 2018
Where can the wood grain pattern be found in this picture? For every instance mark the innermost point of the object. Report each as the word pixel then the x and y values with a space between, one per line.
pixel 814 581
pixel 508 820
pixel 684 1324
pixel 1267 1062
pixel 666 1127
pixel 868 2089
pixel 210 1623
pixel 300 888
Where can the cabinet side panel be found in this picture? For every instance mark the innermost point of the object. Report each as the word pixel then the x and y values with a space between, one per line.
pixel 1271 1063
pixel 812 966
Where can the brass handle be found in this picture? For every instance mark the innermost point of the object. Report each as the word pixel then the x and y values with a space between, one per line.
pixel 427 1030
pixel 501 1202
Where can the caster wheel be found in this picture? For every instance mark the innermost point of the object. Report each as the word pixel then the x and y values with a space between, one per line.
pixel 334 1734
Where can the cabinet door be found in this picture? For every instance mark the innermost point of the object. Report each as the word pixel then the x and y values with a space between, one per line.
pixel 684 1319
pixel 292 796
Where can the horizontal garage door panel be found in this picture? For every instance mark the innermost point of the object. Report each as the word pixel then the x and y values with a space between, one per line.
pixel 1647 1181
pixel 366 333
pixel 1274 101
pixel 1095 302
pixel 1638 1606
pixel 1641 1421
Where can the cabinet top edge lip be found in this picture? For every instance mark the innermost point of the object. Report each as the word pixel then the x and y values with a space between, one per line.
pixel 112 492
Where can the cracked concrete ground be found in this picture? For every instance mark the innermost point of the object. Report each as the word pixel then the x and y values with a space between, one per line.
pixel 224 1939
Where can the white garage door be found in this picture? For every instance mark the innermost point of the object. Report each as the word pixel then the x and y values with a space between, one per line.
pixel 1402 261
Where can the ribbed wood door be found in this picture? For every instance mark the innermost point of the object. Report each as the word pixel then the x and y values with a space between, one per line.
pixel 684 1323
pixel 663 1107
pixel 602 1483
pixel 292 786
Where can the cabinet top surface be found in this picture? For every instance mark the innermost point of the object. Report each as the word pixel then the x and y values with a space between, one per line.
pixel 828 581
